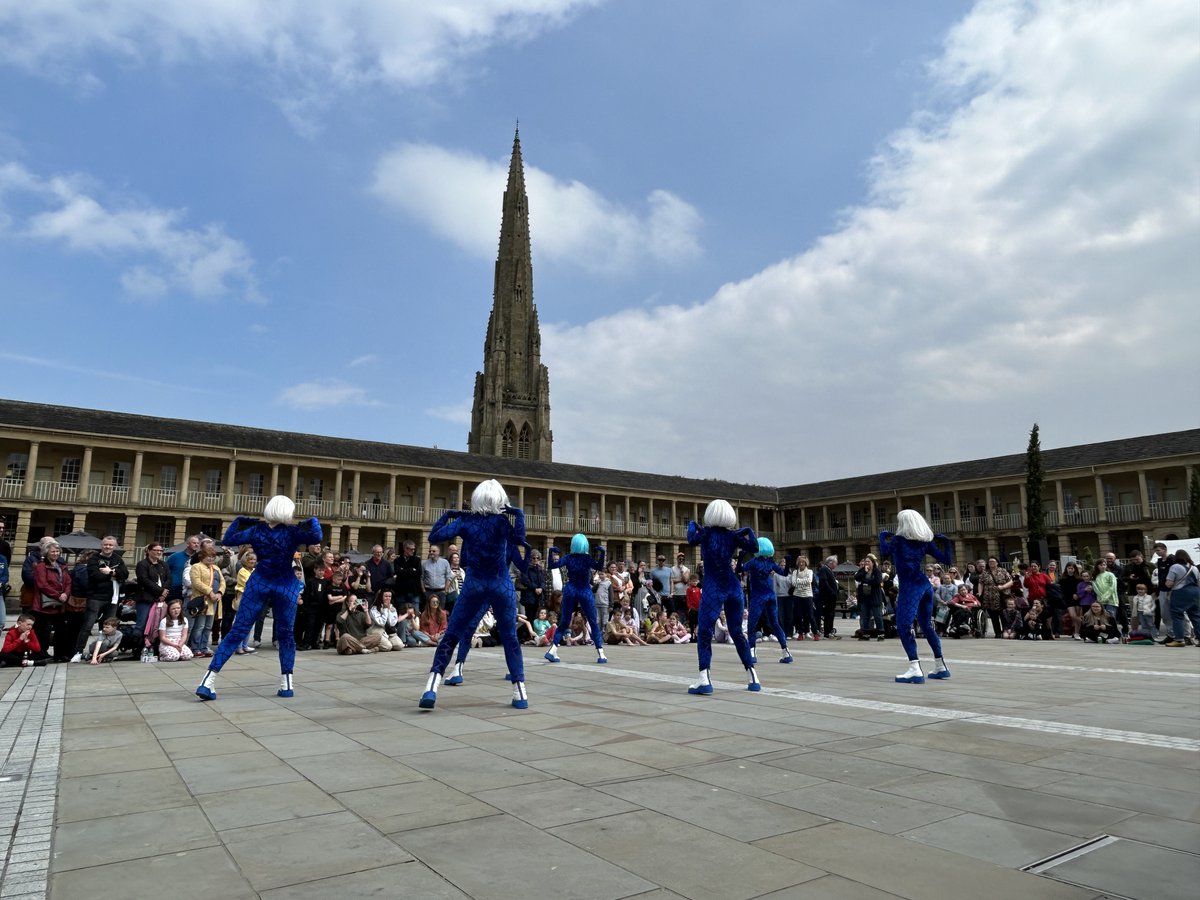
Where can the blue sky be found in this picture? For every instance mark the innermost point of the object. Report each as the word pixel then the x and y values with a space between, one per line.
pixel 773 242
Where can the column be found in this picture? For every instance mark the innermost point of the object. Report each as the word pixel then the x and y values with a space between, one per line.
pixel 1058 502
pixel 130 541
pixel 628 530
pixel 135 489
pixel 603 525
pixel 549 517
pixel 230 476
pixel 353 537
pixel 957 512
pixel 872 525
pixel 1024 504
pixel 1101 512
pixel 392 495
pixel 85 476
pixel 356 486
pixel 337 493
pixel 274 480
pixel 575 525
pixel 1143 492
pixel 987 504
pixel 294 482
pixel 180 532
pixel 960 554
pixel 521 498
pixel 671 525
pixel 428 489
pixel 928 509
pixel 31 473
pixel 182 487
pixel 20 541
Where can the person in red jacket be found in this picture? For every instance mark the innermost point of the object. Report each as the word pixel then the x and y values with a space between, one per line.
pixel 21 647
pixel 1035 583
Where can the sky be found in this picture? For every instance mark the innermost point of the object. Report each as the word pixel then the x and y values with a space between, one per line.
pixel 773 242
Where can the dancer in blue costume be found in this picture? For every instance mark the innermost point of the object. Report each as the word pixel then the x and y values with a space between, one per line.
pixel 521 561
pixel 762 596
pixel 488 541
pixel 908 546
pixel 275 542
pixel 577 591
pixel 722 589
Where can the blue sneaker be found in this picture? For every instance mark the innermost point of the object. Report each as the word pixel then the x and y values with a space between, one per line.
pixel 206 693
pixel 700 689
pixel 601 661
pixel 754 686
pixel 428 699
pixel 787 659
pixel 285 693
pixel 944 673
pixel 453 680
pixel 520 704
pixel 912 679
pixel 550 657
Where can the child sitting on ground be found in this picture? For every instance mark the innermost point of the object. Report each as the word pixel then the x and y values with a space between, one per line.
pixel 21 647
pixel 1010 620
pixel 105 646
pixel 543 626
pixel 580 633
pixel 721 630
pixel 679 631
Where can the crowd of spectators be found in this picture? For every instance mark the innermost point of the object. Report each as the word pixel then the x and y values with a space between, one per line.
pixel 177 606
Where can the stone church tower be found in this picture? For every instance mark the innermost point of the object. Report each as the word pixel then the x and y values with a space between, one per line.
pixel 511 413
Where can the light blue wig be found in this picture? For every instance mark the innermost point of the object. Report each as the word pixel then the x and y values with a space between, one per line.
pixel 579 544
pixel 765 547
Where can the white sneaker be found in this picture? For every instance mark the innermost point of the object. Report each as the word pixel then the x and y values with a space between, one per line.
pixel 78 657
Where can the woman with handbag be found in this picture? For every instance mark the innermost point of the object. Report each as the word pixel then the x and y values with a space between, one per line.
pixel 208 585
pixel 995 587
pixel 53 589
pixel 869 591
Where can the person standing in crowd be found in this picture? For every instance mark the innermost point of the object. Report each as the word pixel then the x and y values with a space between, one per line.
pixel 869 590
pixel 680 574
pixel 995 587
pixel 1183 580
pixel 825 597
pixel 379 569
pixel 106 573
pixel 208 586
pixel 532 583
pixel 784 600
pixel 661 579
pixel 52 586
pixel 153 583
pixel 406 569
pixel 435 573
pixel 802 581
pixel 454 583
pixel 180 560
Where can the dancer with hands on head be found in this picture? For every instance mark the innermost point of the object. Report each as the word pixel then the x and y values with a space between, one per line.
pixel 763 598
pixel 722 590
pixel 274 541
pixel 909 545
pixel 577 592
pixel 488 541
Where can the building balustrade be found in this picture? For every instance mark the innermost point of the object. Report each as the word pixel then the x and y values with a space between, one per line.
pixel 1082 515
pixel 108 494
pixel 1050 518
pixel 206 501
pixel 973 523
pixel 1168 509
pixel 943 526
pixel 249 504
pixel 410 515
pixel 1131 512
pixel 1008 521
pixel 10 488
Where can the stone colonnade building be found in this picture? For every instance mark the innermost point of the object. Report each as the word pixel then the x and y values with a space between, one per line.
pixel 144 478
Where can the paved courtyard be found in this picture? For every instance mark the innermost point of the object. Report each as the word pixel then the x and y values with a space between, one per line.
pixel 1038 771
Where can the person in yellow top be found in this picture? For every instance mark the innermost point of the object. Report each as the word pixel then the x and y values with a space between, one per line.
pixel 248 561
pixel 207 587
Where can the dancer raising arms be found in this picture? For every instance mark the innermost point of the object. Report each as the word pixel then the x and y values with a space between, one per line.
pixel 488 539
pixel 908 546
pixel 521 561
pixel 577 591
pixel 274 541
pixel 722 589
pixel 763 599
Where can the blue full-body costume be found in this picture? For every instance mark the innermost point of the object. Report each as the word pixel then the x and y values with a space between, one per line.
pixel 722 590
pixel 577 592
pixel 274 583
pixel 488 542
pixel 915 600
pixel 763 600
pixel 521 561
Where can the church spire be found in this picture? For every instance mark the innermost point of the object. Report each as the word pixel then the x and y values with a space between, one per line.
pixel 511 411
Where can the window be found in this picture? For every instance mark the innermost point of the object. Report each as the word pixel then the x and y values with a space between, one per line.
pixel 63 525
pixel 812 520
pixel 212 481
pixel 856 518
pixel 525 442
pixel 1152 490
pixel 964 509
pixel 70 471
pixel 935 510
pixel 508 440
pixel 120 476
pixel 881 516
pixel 169 478
pixel 1108 495
pixel 257 484
pixel 164 533
pixel 318 489
pixel 17 463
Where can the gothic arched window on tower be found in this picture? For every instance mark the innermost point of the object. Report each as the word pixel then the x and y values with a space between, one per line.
pixel 508 440
pixel 525 442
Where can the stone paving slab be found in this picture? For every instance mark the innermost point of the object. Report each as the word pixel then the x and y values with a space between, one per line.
pixel 833 782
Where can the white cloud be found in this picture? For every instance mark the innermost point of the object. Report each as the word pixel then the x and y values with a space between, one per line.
pixel 364 360
pixel 1027 254
pixel 323 394
pixel 307 52
pixel 457 194
pixel 457 413
pixel 165 256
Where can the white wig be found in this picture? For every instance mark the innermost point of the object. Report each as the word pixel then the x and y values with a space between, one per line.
pixel 719 514
pixel 912 525
pixel 489 497
pixel 280 510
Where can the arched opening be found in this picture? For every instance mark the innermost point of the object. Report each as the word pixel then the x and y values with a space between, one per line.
pixel 525 442
pixel 508 440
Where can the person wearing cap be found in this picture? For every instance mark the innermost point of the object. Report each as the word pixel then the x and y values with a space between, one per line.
pixel 661 575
